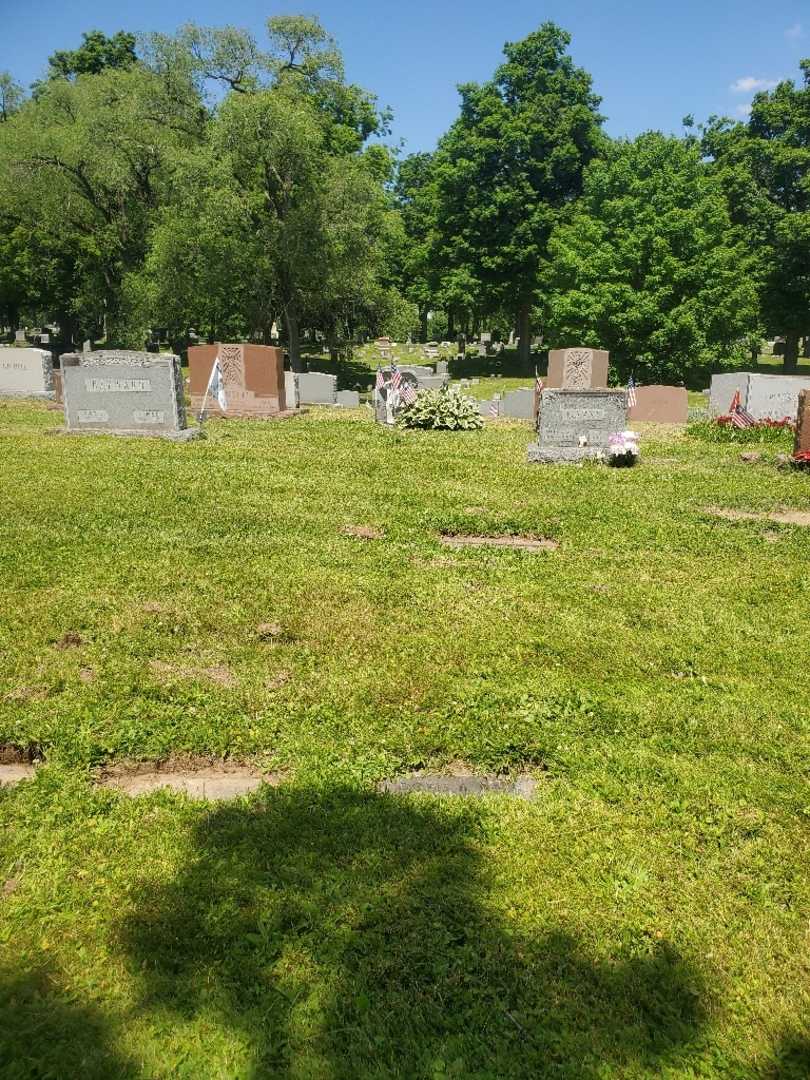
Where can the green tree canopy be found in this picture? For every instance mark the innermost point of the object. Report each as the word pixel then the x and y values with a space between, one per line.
pixel 649 265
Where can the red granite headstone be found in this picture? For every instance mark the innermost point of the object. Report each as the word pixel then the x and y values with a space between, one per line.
pixel 253 376
pixel 803 423
pixel 660 405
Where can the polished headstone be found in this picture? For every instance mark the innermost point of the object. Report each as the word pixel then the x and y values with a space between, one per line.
pixel 26 372
pixel 575 425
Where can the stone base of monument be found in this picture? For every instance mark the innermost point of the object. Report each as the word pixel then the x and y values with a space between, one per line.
pixel 551 454
pixel 183 436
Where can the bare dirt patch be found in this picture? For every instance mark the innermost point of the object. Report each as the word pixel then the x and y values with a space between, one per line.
pixel 780 517
pixel 363 532
pixel 198 778
pixel 69 640
pixel 520 543
pixel 217 673
pixel 13 774
pixel 27 693
pixel 277 681
pixel 12 754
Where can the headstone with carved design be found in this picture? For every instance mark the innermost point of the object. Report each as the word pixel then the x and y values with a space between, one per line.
pixel 253 377
pixel 580 368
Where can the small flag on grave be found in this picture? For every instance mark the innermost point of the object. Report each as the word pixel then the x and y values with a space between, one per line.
pixel 396 377
pixel 631 392
pixel 740 417
pixel 408 392
pixel 494 406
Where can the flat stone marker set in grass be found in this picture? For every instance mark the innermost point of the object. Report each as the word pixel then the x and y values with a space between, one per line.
pixel 26 373
pixel 765 397
pixel 123 392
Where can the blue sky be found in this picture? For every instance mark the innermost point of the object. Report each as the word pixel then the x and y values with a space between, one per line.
pixel 651 62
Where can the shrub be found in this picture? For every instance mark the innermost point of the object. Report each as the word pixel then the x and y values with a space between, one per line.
pixel 445 409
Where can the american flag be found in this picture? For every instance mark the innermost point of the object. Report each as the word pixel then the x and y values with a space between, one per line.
pixel 380 381
pixel 538 383
pixel 408 392
pixel 494 406
pixel 740 417
pixel 631 392
pixel 396 377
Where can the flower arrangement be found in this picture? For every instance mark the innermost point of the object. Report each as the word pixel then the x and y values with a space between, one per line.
pixel 622 449
pixel 727 421
pixel 801 459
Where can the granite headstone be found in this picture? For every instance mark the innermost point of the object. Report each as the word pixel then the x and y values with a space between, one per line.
pixel 26 373
pixel 580 368
pixel 124 392
pixel 765 397
pixel 253 377
pixel 575 425
pixel 660 405
pixel 802 444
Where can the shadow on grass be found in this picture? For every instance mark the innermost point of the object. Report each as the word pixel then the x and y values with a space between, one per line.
pixel 345 934
pixel 44 1033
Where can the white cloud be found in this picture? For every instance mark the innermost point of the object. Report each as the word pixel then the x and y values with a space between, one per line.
pixel 793 33
pixel 743 111
pixel 748 84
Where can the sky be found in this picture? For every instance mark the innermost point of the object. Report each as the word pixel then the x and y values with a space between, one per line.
pixel 652 62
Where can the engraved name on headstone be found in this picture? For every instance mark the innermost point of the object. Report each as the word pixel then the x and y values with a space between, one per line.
pixel 765 397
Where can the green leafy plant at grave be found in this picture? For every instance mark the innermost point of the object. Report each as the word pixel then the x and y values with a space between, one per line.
pixel 446 410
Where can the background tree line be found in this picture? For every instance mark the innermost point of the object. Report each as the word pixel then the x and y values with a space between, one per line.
pixel 207 180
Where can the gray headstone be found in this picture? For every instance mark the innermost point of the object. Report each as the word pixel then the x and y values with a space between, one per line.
pixel 25 372
pixel 87 345
pixel 569 416
pixel 19 335
pixel 766 397
pixel 349 399
pixel 123 392
pixel 291 389
pixel 316 388
pixel 518 404
pixel 441 367
pixel 486 337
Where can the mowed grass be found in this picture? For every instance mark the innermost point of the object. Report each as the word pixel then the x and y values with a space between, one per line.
pixel 645 915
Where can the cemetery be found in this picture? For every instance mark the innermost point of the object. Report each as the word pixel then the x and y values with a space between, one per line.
pixel 394 682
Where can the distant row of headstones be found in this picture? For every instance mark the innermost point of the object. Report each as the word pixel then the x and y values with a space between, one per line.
pixel 142 393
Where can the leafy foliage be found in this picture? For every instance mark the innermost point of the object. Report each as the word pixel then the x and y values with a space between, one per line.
pixel 442 409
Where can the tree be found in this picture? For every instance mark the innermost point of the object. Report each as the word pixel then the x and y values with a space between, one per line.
pixel 649 266
pixel 12 96
pixel 765 167
pixel 96 53
pixel 83 169
pixel 508 169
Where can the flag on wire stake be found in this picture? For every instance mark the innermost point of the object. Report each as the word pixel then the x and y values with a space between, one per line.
pixel 538 383
pixel 215 388
pixel 495 406
pixel 408 392
pixel 396 376
pixel 631 392
pixel 379 384
pixel 740 417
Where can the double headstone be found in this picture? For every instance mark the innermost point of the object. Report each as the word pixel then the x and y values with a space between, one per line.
pixel 124 392
pixel 252 375
pixel 575 425
pixel 26 373
pixel 765 397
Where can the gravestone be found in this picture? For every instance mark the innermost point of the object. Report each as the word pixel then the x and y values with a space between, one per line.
pixel 316 388
pixel 518 404
pixel 19 335
pixel 575 425
pixel 291 389
pixel 579 368
pixel 124 392
pixel 660 405
pixel 252 375
pixel 802 444
pixel 442 367
pixel 765 397
pixel 348 399
pixel 26 373
pixel 486 337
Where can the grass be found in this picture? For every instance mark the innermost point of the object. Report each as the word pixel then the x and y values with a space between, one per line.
pixel 645 915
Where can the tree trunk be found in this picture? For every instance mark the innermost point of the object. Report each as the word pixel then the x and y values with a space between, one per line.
pixel 451 325
pixel 293 341
pixel 791 353
pixel 525 330
pixel 423 327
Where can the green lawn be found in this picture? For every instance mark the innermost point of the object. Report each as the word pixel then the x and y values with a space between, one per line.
pixel 646 915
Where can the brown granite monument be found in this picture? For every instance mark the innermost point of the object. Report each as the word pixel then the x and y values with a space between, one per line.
pixel 253 377
pixel 660 405
pixel 803 423
pixel 580 368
